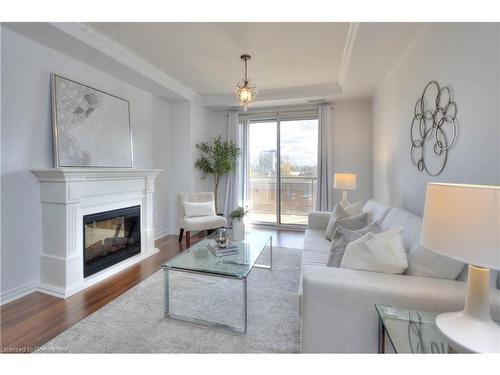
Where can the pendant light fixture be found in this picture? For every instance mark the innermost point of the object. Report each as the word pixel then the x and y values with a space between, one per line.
pixel 245 91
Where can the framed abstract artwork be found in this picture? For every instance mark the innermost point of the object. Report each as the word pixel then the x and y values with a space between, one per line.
pixel 91 128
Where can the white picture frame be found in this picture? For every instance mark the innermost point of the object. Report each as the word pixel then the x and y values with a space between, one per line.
pixel 91 128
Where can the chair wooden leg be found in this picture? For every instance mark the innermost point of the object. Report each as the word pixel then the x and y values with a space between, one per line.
pixel 181 233
pixel 188 239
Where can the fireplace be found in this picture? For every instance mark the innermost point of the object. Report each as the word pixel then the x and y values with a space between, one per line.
pixel 110 237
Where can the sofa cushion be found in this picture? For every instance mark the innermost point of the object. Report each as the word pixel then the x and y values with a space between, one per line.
pixel 421 262
pixel 398 217
pixel 376 211
pixel 315 239
pixel 203 222
pixel 315 257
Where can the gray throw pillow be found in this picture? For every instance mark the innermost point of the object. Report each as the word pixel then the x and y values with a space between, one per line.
pixel 353 222
pixel 337 214
pixel 341 239
pixel 352 235
pixel 337 251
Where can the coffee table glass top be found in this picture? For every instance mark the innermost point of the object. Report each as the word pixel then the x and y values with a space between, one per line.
pixel 412 331
pixel 200 259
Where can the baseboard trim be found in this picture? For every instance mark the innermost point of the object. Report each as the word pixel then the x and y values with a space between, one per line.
pixel 51 290
pixel 166 232
pixel 161 233
pixel 18 292
pixel 55 291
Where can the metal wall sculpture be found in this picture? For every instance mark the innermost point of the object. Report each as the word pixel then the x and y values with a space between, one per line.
pixel 433 128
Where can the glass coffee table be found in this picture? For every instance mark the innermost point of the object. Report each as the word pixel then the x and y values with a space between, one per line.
pixel 200 260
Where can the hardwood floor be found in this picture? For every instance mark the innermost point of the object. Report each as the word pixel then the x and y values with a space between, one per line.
pixel 33 320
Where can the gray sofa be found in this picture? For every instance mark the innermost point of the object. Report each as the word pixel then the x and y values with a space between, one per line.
pixel 337 305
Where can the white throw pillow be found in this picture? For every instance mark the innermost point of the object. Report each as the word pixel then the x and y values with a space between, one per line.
pixel 354 209
pixel 383 252
pixel 194 209
pixel 337 213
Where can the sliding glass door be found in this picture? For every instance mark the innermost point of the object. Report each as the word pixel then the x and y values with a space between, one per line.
pixel 263 171
pixel 298 162
pixel 281 169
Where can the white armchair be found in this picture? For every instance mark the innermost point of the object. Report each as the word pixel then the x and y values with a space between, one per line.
pixel 196 223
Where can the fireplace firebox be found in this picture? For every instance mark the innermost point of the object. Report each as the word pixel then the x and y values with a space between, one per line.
pixel 110 237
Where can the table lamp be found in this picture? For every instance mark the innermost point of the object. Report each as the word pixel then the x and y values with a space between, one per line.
pixel 344 182
pixel 463 222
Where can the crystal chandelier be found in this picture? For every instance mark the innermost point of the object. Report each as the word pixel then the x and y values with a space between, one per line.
pixel 245 91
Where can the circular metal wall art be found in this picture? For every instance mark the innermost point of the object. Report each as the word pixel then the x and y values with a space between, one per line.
pixel 433 128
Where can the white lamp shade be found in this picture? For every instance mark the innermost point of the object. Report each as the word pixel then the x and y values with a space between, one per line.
pixel 344 181
pixel 463 222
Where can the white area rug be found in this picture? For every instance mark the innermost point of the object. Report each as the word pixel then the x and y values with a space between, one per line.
pixel 134 322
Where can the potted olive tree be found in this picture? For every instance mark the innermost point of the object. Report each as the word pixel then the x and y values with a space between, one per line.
pixel 217 159
pixel 238 224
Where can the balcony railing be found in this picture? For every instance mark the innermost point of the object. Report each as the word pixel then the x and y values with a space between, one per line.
pixel 298 195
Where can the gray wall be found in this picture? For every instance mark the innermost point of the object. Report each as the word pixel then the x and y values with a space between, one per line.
pixel 465 57
pixel 181 167
pixel 26 143
pixel 351 145
pixel 206 125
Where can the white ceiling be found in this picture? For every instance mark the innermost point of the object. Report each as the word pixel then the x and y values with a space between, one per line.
pixel 377 48
pixel 206 56
pixel 292 63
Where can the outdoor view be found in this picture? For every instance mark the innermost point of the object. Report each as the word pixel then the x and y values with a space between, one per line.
pixel 298 165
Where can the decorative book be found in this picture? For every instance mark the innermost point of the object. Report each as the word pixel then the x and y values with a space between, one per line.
pixel 230 249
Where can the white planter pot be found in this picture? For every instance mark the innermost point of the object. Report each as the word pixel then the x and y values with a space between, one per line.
pixel 238 230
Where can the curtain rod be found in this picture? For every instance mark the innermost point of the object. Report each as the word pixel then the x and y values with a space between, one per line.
pixel 275 112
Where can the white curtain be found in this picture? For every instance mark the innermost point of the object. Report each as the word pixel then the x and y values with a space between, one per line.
pixel 324 186
pixel 233 196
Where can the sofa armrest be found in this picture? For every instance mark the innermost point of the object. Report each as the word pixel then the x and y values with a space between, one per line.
pixel 318 219
pixel 338 312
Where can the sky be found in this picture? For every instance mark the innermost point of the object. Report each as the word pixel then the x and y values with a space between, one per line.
pixel 299 140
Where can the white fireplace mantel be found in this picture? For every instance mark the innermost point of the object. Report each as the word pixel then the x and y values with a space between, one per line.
pixel 67 194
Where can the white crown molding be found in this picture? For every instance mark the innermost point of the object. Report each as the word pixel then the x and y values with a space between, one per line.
pixel 278 97
pixel 83 43
pixel 423 28
pixel 347 54
pixel 110 47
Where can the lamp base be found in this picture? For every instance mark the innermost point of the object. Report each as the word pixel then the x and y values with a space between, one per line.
pixel 344 202
pixel 467 334
pixel 472 330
